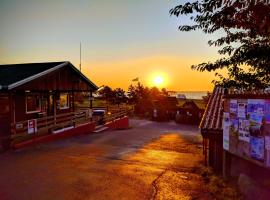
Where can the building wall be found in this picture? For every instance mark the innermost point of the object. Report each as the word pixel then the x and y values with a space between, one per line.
pixel 20 107
pixel 253 180
pixel 4 114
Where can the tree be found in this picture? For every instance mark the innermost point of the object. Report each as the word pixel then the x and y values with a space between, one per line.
pixel 146 99
pixel 245 46
pixel 120 96
pixel 106 93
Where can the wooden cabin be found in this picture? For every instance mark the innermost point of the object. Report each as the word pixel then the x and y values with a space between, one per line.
pixel 164 108
pixel 40 98
pixel 189 113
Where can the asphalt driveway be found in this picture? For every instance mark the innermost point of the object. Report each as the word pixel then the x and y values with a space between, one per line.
pixel 149 161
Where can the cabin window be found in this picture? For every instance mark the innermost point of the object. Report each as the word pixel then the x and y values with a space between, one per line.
pixel 64 101
pixel 4 105
pixel 32 104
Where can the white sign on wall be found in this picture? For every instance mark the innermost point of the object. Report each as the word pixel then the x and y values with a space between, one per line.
pixel 32 126
pixel 226 130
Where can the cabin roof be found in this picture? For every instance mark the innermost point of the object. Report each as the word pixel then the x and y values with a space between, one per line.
pixel 14 75
pixel 198 102
pixel 212 118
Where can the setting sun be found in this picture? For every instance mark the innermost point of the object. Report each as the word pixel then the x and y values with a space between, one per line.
pixel 158 80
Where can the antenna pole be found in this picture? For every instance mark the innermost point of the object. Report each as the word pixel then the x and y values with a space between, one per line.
pixel 80 56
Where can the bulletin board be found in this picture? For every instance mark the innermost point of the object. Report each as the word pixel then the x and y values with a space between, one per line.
pixel 246 129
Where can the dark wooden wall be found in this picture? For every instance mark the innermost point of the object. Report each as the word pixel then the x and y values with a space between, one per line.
pixel 214 150
pixel 64 79
pixel 20 106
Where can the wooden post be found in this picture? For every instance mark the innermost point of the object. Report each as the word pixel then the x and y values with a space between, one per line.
pixel 91 100
pixel 73 100
pixel 206 152
pixel 73 108
pixel 210 153
pixel 12 112
pixel 226 164
pixel 91 106
pixel 54 108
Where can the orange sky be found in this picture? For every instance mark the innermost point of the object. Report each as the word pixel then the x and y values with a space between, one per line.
pixel 121 40
pixel 176 71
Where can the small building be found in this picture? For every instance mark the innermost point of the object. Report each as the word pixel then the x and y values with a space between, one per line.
pixel 181 96
pixel 189 113
pixel 39 98
pixel 164 108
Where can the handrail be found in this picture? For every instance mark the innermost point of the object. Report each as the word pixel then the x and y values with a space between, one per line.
pixel 64 119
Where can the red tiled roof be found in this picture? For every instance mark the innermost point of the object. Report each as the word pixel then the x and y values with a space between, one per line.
pixel 212 118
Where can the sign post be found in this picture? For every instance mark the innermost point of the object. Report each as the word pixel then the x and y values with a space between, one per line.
pixel 32 128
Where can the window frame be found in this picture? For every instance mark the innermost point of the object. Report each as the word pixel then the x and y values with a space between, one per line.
pixel 39 104
pixel 68 101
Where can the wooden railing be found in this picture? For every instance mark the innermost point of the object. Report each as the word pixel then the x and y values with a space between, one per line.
pixel 50 123
pixel 111 116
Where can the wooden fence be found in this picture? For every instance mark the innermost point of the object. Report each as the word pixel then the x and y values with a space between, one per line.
pixel 51 123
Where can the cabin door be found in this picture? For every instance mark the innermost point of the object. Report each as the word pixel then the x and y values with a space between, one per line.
pixel 51 105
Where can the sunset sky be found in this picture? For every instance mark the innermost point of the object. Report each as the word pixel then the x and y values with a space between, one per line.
pixel 121 40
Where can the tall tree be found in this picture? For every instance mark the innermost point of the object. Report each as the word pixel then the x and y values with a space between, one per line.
pixel 245 46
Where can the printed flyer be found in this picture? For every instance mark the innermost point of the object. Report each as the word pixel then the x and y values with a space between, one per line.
pixel 244 130
pixel 242 110
pixel 256 106
pixel 233 107
pixel 257 148
pixel 226 130
pixel 234 125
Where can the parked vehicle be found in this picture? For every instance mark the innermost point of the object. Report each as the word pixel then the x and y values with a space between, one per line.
pixel 98 116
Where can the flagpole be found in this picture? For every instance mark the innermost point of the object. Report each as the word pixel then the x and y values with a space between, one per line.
pixel 80 57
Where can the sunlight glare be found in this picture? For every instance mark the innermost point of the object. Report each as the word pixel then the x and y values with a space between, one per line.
pixel 158 80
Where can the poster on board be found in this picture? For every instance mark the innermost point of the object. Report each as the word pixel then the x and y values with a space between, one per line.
pixel 233 107
pixel 234 125
pixel 242 110
pixel 257 148
pixel 256 106
pixel 226 130
pixel 244 130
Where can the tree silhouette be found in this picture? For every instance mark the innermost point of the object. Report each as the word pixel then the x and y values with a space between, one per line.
pixel 245 46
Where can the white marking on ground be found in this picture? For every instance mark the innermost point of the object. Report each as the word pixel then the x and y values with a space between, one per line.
pixel 145 123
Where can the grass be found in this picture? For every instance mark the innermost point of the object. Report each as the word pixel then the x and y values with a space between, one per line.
pixel 219 188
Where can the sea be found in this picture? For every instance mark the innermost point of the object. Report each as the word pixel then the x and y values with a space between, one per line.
pixel 193 94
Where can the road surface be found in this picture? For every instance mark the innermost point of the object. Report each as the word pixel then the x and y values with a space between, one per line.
pixel 149 161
